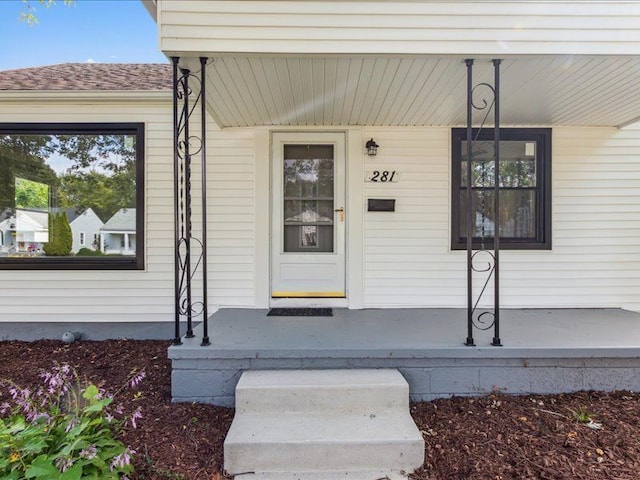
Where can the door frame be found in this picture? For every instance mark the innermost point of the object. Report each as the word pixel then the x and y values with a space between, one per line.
pixel 354 175
pixel 307 301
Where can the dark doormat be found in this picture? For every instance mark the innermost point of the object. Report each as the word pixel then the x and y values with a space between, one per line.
pixel 300 312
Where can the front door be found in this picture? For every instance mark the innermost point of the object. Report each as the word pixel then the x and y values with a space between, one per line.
pixel 308 216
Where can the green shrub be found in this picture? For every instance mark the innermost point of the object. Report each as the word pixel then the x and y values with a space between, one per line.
pixel 66 236
pixel 87 252
pixel 63 431
pixel 60 236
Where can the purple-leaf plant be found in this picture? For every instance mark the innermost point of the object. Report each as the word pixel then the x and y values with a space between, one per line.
pixel 64 430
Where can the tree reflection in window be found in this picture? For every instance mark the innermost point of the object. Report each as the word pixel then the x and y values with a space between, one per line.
pixel 524 181
pixel 87 174
pixel 308 198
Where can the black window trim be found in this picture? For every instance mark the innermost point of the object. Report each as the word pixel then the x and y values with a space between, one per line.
pixel 88 263
pixel 542 137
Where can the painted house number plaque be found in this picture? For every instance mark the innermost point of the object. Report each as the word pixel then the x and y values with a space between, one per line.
pixel 382 176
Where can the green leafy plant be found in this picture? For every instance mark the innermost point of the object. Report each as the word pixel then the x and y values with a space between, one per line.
pixel 65 430
pixel 31 195
pixel 581 415
pixel 29 15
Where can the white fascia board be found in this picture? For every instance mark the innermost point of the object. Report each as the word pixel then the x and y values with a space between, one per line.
pixel 92 96
pixel 152 8
pixel 496 28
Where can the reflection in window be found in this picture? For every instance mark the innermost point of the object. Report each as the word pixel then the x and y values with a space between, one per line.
pixel 308 198
pixel 63 184
pixel 309 237
pixel 31 219
pixel 524 181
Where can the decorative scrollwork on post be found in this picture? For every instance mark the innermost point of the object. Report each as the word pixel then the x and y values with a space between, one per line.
pixel 190 252
pixel 484 105
pixel 480 321
pixel 485 99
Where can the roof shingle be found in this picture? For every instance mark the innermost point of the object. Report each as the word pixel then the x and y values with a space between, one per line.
pixel 124 220
pixel 89 76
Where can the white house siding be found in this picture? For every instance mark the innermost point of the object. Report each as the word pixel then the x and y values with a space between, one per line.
pixel 406 253
pixel 111 295
pixel 407 259
pixel 595 259
pixel 104 295
pixel 231 217
pixel 387 27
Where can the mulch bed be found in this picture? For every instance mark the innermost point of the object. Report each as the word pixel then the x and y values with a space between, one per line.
pixel 497 437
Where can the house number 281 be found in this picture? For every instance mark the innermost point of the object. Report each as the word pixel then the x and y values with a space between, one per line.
pixel 382 176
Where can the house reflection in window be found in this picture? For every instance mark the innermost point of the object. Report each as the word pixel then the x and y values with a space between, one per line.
pixel 309 236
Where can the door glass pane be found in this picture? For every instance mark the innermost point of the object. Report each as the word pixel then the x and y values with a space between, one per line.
pixel 308 211
pixel 308 238
pixel 308 198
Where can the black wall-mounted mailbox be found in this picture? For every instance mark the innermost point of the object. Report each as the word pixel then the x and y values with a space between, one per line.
pixel 381 205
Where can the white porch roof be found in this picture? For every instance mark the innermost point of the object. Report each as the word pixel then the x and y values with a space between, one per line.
pixel 389 62
pixel 394 90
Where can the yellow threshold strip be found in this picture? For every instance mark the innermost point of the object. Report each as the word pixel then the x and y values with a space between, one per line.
pixel 308 294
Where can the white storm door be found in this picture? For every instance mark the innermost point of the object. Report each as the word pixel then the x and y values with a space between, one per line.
pixel 308 215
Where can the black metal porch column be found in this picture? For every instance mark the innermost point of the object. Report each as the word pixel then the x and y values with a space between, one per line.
pixel 496 206
pixel 190 252
pixel 469 341
pixel 203 174
pixel 476 244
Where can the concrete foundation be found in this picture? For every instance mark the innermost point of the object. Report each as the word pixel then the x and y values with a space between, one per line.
pixel 28 332
pixel 548 351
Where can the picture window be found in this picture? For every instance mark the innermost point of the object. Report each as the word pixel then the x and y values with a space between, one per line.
pixel 524 183
pixel 60 182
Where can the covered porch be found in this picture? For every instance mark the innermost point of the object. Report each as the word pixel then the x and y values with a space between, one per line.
pixel 579 209
pixel 545 350
pixel 408 88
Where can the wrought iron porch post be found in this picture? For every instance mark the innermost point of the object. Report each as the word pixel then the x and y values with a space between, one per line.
pixel 186 145
pixel 492 269
pixel 176 213
pixel 186 73
pixel 496 208
pixel 469 342
pixel 203 174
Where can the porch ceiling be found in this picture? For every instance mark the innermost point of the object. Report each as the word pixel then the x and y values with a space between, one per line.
pixel 419 91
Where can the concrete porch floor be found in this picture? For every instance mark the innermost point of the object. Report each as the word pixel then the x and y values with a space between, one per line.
pixel 544 351
pixel 236 333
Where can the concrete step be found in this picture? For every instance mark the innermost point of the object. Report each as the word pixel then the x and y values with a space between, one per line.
pixel 321 390
pixel 303 443
pixel 327 475
pixel 343 430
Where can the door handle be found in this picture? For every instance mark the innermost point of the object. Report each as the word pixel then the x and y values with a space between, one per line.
pixel 341 210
